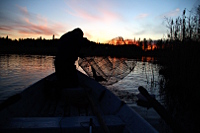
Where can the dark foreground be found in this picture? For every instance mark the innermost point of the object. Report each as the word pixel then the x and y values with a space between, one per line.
pixel 42 107
pixel 181 70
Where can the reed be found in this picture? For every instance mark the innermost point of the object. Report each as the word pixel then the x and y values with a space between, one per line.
pixel 181 70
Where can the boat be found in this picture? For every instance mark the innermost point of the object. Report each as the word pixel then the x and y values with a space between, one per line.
pixel 90 107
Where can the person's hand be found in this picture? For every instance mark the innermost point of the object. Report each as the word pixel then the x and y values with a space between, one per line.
pixel 86 42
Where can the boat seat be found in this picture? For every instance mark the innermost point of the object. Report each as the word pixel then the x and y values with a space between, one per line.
pixel 61 124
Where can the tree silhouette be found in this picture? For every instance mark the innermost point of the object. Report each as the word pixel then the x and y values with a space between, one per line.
pixel 145 44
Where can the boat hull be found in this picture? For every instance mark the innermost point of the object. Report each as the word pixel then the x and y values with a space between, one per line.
pixel 72 110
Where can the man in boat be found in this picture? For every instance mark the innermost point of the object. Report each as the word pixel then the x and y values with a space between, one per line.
pixel 68 52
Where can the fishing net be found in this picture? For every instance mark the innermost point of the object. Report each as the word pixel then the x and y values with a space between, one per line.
pixel 106 70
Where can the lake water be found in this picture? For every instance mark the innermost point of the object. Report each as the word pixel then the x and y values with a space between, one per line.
pixel 17 72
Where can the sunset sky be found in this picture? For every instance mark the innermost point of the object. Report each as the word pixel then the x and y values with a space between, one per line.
pixel 100 20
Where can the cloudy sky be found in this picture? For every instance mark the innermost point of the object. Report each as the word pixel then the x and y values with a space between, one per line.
pixel 100 20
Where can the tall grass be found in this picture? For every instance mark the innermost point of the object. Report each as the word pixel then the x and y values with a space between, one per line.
pixel 182 72
pixel 182 65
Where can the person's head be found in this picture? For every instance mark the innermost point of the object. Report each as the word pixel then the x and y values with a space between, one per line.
pixel 75 35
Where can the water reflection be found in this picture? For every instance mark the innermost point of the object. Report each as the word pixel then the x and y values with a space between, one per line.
pixel 148 59
pixel 145 74
pixel 19 71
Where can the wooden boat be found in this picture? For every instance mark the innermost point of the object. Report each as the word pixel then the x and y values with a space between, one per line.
pixel 88 108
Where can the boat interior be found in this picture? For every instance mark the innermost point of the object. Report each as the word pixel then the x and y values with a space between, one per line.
pixel 44 107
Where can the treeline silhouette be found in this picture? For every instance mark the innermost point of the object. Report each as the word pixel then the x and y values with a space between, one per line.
pixel 49 47
pixel 158 48
pixel 28 46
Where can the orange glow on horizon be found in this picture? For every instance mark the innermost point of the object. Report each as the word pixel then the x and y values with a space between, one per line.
pixel 151 47
pixel 121 41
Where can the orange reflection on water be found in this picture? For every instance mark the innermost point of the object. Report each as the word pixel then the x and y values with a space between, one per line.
pixel 148 59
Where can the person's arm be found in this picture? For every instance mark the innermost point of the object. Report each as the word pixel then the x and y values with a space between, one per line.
pixel 86 43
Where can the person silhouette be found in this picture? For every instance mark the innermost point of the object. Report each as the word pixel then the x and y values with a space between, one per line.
pixel 68 52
